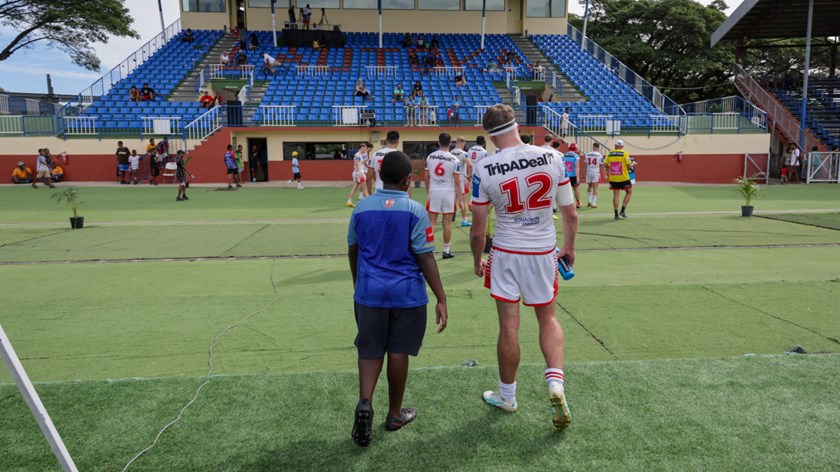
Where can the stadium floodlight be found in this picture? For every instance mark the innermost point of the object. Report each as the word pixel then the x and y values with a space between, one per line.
pixel 23 383
pixel 162 24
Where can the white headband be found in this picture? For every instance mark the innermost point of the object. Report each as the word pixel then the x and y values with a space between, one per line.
pixel 509 126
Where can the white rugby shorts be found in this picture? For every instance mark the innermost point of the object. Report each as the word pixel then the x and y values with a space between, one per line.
pixel 359 177
pixel 442 202
pixel 531 277
pixel 593 177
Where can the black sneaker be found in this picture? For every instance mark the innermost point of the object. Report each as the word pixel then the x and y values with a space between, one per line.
pixel 179 199
pixel 623 215
pixel 185 197
pixel 407 415
pixel 362 424
pixel 238 185
pixel 616 217
pixel 448 255
pixel 230 187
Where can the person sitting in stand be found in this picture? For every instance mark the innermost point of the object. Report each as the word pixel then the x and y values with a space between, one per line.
pixel 241 58
pixel 460 80
pixel 410 110
pixel 421 43
pixel 417 90
pixel 243 43
pixel 408 40
pixel 134 94
pixel 188 36
pixel 21 174
pixel 435 42
pixel 147 93
pixel 492 67
pixel 218 98
pixel 268 63
pixel 255 42
pixel 224 58
pixel 361 91
pixel 57 174
pixel 206 100
pixel 316 45
pixel 399 94
pixel 412 59
pixel 454 114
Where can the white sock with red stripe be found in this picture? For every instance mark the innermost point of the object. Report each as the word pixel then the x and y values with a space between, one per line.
pixel 554 376
pixel 507 391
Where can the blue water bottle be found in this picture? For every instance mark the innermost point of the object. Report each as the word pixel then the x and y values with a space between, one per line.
pixel 564 267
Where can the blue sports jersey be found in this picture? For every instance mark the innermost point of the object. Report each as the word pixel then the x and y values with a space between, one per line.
pixel 390 229
pixel 230 160
pixel 295 166
pixel 571 160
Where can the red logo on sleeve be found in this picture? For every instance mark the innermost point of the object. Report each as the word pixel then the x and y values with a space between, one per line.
pixel 430 234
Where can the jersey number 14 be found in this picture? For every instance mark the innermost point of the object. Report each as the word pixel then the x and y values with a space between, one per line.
pixel 538 186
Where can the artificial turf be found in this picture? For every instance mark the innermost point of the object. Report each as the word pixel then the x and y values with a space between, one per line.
pixel 658 319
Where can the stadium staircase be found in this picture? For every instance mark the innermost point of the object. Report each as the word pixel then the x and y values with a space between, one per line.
pixel 564 90
pixel 823 117
pixel 185 92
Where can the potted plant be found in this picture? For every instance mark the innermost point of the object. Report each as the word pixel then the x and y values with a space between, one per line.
pixel 71 196
pixel 748 189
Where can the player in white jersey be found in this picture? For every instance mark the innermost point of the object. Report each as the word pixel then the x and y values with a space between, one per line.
pixel 594 162
pixel 359 173
pixel 466 175
pixel 477 152
pixel 443 182
pixel 522 183
pixel 392 140
pixel 552 145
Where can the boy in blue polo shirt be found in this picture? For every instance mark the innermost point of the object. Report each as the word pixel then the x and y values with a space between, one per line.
pixel 390 247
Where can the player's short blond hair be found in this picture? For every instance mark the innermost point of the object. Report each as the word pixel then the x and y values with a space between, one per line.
pixel 460 139
pixel 496 116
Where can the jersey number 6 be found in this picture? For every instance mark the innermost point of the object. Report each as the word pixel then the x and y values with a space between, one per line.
pixel 538 198
pixel 439 170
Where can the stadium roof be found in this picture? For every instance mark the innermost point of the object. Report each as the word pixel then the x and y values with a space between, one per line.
pixel 779 19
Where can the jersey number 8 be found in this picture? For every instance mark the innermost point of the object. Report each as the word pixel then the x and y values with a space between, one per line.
pixel 537 199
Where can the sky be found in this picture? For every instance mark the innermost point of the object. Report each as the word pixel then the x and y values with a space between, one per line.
pixel 26 70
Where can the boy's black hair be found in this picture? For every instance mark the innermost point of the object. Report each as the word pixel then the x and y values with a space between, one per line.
pixel 392 137
pixel 444 139
pixel 395 166
pixel 555 144
pixel 230 147
pixel 525 139
pixel 480 141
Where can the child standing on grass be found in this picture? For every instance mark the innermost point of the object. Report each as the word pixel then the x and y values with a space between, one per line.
pixel 232 170
pixel 240 164
pixel 390 245
pixel 181 174
pixel 133 166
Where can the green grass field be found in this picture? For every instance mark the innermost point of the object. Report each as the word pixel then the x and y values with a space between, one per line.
pixel 676 327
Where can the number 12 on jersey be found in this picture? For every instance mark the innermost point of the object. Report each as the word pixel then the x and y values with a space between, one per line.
pixel 538 185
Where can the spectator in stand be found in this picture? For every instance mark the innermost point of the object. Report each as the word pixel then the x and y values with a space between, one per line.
pixel 122 162
pixel 564 123
pixel 361 91
pixel 399 94
pixel 22 174
pixel 292 19
pixel 189 37
pixel 306 13
pixel 268 63
pixel 147 93
pixel 241 58
pixel 218 98
pixel 134 167
pixel 316 45
pixel 410 110
pixel 454 114
pixel 255 42
pixel 224 58
pixel 134 94
pixel 435 43
pixel 243 43
pixel 492 67
pixel 408 40
pixel 57 174
pixel 417 90
pixel 235 32
pixel 423 106
pixel 421 43
pixel 460 80
pixel 206 100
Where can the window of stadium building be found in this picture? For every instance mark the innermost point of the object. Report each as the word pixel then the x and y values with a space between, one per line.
pixel 204 6
pixel 492 5
pixel 439 4
pixel 546 9
pixel 267 4
pixel 319 3
pixel 360 4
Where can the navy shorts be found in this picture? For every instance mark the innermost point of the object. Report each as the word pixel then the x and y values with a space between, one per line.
pixel 394 330
pixel 623 185
pixel 574 181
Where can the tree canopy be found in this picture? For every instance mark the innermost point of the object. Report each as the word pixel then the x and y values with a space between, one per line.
pixel 666 42
pixel 70 25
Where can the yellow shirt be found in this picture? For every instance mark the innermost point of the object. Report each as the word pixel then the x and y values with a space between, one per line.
pixel 617 163
pixel 150 147
pixel 19 173
pixel 57 171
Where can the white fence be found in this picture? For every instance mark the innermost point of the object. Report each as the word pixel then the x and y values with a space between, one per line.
pixel 4 104
pixel 350 115
pixel 312 70
pixel 161 125
pixel 667 124
pixel 479 113
pixel 79 125
pixel 381 71
pixel 277 115
pixel 539 73
pixel 552 121
pixel 510 76
pixel 219 71
pixel 202 127
pixel 11 124
pixel 594 123
pixel 822 167
pixel 448 71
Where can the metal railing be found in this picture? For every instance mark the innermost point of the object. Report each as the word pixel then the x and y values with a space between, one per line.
pixel 80 125
pixel 552 121
pixel 778 115
pixel 161 125
pixel 10 105
pixel 448 71
pixel 11 124
pixel 516 95
pixel 99 88
pixel 277 115
pixel 510 76
pixel 4 104
pixel 479 113
pixel 220 71
pixel 202 127
pixel 728 105
pixel 312 70
pixel 422 116
pixel 822 167
pixel 594 123
pixel 539 74
pixel 381 71
pixel 642 86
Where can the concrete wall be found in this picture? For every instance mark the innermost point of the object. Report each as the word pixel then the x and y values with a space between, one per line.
pixel 205 21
